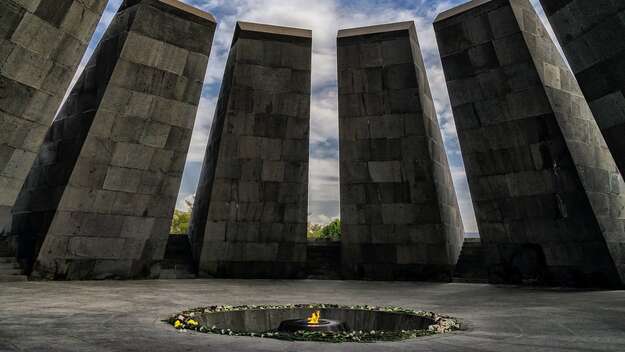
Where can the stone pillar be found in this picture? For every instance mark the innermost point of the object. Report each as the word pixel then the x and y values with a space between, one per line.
pixel 591 35
pixel 99 199
pixel 41 44
pixel 399 213
pixel 249 217
pixel 548 196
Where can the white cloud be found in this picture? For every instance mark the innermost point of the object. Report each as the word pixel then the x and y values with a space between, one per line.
pixel 201 130
pixel 325 172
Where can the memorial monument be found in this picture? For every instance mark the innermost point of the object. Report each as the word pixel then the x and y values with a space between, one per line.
pixel 547 193
pixel 399 213
pixel 250 211
pixel 99 199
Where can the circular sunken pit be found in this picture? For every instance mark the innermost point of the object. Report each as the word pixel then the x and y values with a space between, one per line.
pixel 334 323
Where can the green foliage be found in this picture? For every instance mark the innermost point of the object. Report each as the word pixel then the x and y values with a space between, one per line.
pixel 180 222
pixel 330 232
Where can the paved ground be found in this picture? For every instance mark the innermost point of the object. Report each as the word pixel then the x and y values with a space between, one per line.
pixel 126 316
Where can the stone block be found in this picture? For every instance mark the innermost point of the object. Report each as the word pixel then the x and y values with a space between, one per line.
pixel 538 169
pixel 155 134
pixel 137 227
pixel 391 156
pixel 273 171
pixel 386 127
pixel 113 158
pixel 27 67
pixel 161 55
pixel 131 155
pixel 255 173
pixel 385 171
pixel 37 35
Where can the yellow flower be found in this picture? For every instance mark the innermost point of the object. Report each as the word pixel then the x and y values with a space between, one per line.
pixel 192 322
pixel 178 324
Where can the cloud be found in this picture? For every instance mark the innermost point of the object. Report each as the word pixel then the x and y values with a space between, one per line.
pixel 201 129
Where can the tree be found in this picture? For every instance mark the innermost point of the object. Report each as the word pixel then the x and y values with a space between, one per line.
pixel 180 222
pixel 181 219
pixel 331 231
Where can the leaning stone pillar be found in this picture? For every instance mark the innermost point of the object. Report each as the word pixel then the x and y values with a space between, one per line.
pixel 249 217
pixel 99 199
pixel 591 35
pixel 548 196
pixel 399 213
pixel 41 44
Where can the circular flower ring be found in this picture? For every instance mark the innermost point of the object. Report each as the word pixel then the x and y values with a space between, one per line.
pixel 191 320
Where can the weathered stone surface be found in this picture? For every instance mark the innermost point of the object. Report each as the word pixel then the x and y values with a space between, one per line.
pixel 548 196
pixel 41 44
pixel 249 217
pixel 398 205
pixel 99 199
pixel 590 33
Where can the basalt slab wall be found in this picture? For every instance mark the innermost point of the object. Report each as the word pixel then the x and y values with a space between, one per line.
pixel 591 35
pixel 399 213
pixel 41 44
pixel 99 199
pixel 250 212
pixel 547 193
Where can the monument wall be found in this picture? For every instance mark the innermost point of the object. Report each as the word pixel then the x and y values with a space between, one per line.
pixel 547 193
pixel 399 213
pixel 99 199
pixel 591 35
pixel 250 213
pixel 41 45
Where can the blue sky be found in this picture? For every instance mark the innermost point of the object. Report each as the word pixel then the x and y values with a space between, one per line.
pixel 324 17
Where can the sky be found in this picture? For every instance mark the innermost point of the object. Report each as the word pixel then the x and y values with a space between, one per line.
pixel 324 18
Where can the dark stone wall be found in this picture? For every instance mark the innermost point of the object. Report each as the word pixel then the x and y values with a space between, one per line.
pixel 41 44
pixel 250 213
pixel 591 35
pixel 548 196
pixel 399 213
pixel 99 199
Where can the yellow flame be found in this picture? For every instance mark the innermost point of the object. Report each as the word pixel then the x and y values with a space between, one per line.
pixel 313 319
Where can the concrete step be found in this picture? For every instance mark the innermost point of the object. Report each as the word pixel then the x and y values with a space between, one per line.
pixel 12 278
pixel 472 251
pixel 10 271
pixel 10 268
pixel 169 274
pixel 166 265
pixel 7 260
pixel 324 276
pixel 471 259
pixel 177 263
pixel 468 280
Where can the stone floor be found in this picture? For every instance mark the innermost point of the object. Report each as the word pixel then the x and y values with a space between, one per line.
pixel 126 316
